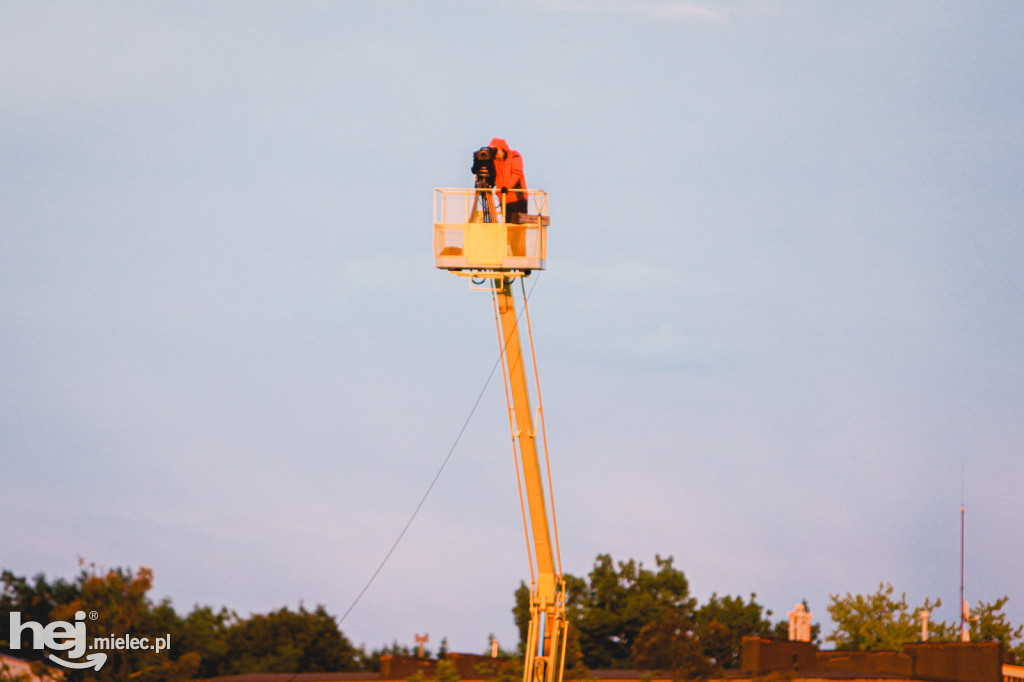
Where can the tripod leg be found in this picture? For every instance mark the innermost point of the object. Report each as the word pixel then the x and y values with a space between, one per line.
pixel 494 211
pixel 484 209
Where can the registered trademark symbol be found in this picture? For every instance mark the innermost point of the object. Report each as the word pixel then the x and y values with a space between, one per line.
pixel 93 615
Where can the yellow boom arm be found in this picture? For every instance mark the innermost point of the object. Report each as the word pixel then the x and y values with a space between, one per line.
pixel 475 237
pixel 545 645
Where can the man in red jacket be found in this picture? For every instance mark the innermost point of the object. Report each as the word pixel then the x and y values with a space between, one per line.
pixel 508 172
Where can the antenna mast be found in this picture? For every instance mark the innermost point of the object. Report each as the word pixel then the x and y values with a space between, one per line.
pixel 963 604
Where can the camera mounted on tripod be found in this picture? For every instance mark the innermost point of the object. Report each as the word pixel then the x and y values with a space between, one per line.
pixel 483 167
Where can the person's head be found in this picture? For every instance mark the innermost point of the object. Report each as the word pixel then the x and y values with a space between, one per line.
pixel 500 147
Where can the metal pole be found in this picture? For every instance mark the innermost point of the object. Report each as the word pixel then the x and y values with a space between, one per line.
pixel 962 572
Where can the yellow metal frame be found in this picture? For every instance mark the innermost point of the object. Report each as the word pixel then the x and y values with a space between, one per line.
pixel 468 237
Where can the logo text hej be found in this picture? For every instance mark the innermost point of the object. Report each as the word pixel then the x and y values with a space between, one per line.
pixel 72 638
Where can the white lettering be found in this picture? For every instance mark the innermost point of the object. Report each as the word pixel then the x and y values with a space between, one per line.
pixel 59 635
pixel 71 637
pixel 17 628
pixel 79 649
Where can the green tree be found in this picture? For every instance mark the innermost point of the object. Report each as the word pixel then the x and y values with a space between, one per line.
pixel 205 643
pixel 670 645
pixel 35 599
pixel 507 666
pixel 284 641
pixel 610 607
pixel 722 623
pixel 989 624
pixel 446 671
pixel 502 669
pixel 371 662
pixel 118 598
pixel 877 622
pixel 204 631
pixel 575 667
pixel 521 612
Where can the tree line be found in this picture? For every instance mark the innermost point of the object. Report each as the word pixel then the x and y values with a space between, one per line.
pixel 625 615
pixel 622 615
pixel 204 643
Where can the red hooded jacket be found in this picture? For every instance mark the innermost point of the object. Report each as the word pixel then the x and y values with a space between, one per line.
pixel 509 170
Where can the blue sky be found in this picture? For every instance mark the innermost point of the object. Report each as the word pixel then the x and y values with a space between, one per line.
pixel 780 335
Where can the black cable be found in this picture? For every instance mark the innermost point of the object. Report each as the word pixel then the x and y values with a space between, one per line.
pixel 419 506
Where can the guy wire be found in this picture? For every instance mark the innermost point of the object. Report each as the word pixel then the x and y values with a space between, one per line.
pixel 437 476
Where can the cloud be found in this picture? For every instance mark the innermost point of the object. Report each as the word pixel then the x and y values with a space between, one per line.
pixel 674 11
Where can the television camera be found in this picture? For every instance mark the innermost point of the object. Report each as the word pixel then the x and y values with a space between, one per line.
pixel 483 167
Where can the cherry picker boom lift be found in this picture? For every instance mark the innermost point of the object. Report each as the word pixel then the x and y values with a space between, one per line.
pixel 475 237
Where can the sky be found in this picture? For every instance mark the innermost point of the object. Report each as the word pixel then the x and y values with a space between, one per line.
pixel 780 336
